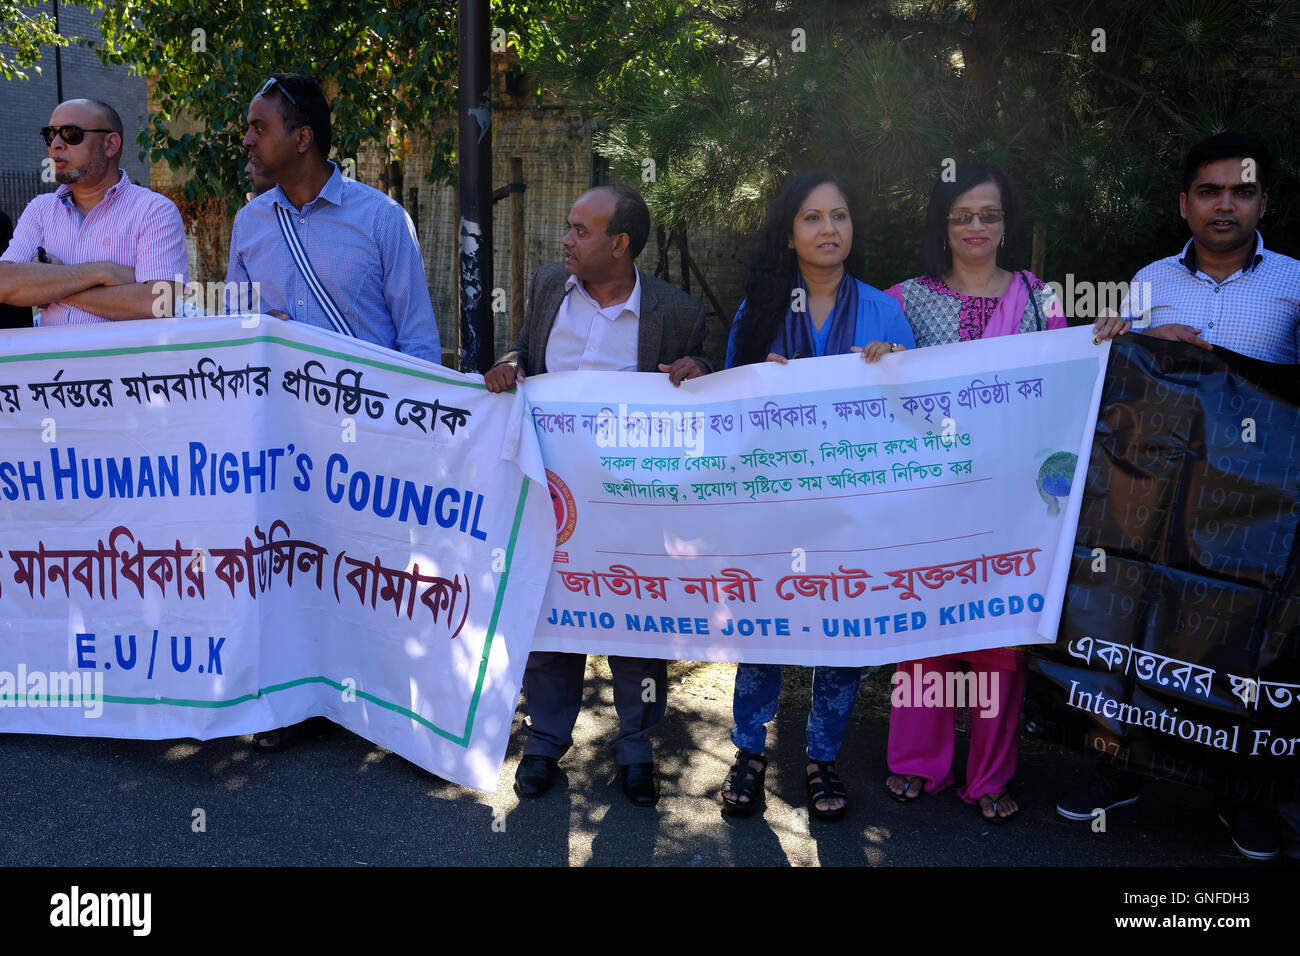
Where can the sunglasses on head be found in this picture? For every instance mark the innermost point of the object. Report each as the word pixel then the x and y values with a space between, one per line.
pixel 72 135
pixel 986 216
pixel 273 82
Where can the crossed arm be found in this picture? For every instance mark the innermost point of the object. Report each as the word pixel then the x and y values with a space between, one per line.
pixel 35 283
pixel 103 288
pixel 132 300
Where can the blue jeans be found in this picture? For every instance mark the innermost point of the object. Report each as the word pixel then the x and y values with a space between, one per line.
pixel 758 688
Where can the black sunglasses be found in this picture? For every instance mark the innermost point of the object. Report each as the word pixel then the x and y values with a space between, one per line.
pixel 987 216
pixel 272 81
pixel 72 135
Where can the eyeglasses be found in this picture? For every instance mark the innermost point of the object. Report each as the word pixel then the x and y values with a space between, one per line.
pixel 272 81
pixel 986 216
pixel 72 135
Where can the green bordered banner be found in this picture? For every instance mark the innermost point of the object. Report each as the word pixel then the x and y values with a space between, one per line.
pixel 217 526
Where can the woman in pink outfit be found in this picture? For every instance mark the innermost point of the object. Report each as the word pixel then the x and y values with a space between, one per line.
pixel 965 295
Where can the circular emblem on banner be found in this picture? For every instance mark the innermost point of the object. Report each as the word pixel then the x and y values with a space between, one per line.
pixel 566 510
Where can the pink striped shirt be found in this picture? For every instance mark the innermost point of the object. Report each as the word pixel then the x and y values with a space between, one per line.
pixel 131 226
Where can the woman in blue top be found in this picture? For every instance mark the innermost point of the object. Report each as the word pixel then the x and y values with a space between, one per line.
pixel 802 299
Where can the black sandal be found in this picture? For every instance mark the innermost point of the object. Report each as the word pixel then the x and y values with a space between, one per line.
pixel 995 802
pixel 744 781
pixel 905 797
pixel 825 784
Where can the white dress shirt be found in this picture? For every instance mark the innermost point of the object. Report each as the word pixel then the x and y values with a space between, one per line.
pixel 586 336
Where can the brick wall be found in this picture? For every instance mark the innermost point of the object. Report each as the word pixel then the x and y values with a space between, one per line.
pixel 25 105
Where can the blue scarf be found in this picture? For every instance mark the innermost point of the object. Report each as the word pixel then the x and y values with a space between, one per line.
pixel 797 336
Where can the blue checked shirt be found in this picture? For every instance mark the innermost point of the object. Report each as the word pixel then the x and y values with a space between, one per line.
pixel 1254 311
pixel 363 248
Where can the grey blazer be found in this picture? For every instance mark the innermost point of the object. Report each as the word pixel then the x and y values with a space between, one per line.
pixel 672 323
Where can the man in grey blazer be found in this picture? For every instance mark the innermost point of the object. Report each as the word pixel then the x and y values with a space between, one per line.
pixel 598 311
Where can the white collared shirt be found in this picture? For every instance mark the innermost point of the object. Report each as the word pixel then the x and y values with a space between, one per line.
pixel 587 336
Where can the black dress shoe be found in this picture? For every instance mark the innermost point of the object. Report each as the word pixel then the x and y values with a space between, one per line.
pixel 534 775
pixel 639 783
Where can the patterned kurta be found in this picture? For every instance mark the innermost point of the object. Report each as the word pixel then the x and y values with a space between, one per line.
pixel 939 315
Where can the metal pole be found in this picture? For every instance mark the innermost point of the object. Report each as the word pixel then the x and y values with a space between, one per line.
pixel 518 276
pixel 58 57
pixel 477 346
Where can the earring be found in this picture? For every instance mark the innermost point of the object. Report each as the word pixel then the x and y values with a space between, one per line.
pixel 1003 242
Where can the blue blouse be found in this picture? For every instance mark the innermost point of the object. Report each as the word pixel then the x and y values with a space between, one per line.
pixel 880 318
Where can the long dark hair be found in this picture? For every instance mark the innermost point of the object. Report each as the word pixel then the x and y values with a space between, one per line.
pixel 936 257
pixel 770 272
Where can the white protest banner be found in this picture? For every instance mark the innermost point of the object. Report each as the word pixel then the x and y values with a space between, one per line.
pixel 822 512
pixel 218 526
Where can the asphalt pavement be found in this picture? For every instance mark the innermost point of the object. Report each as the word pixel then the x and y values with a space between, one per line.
pixel 338 800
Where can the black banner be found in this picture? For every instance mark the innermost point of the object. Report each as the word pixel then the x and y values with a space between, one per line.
pixel 1178 654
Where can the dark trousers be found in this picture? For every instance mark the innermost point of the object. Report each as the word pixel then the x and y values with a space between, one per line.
pixel 553 691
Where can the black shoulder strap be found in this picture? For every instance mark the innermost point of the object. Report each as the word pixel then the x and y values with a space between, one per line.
pixel 1033 300
pixel 299 256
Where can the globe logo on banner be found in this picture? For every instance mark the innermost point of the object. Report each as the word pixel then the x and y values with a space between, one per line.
pixel 1054 479
pixel 566 510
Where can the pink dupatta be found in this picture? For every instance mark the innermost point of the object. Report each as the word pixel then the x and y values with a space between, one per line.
pixel 1005 319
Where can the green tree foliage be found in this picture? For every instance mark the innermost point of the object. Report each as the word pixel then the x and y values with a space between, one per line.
pixel 388 67
pixel 22 34
pixel 1088 105
pixel 731 98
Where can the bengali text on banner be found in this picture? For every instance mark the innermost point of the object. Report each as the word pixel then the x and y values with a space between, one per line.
pixel 221 526
pixel 822 512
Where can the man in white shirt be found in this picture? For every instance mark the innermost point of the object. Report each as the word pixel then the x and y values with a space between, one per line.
pixel 598 311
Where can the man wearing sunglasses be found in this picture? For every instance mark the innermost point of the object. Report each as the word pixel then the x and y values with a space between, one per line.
pixel 324 250
pixel 95 248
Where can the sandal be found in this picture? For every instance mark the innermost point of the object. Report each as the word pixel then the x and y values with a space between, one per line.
pixel 995 798
pixel 907 786
pixel 744 781
pixel 824 783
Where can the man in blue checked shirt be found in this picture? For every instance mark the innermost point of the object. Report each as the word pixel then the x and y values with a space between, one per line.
pixel 328 251
pixel 1224 288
